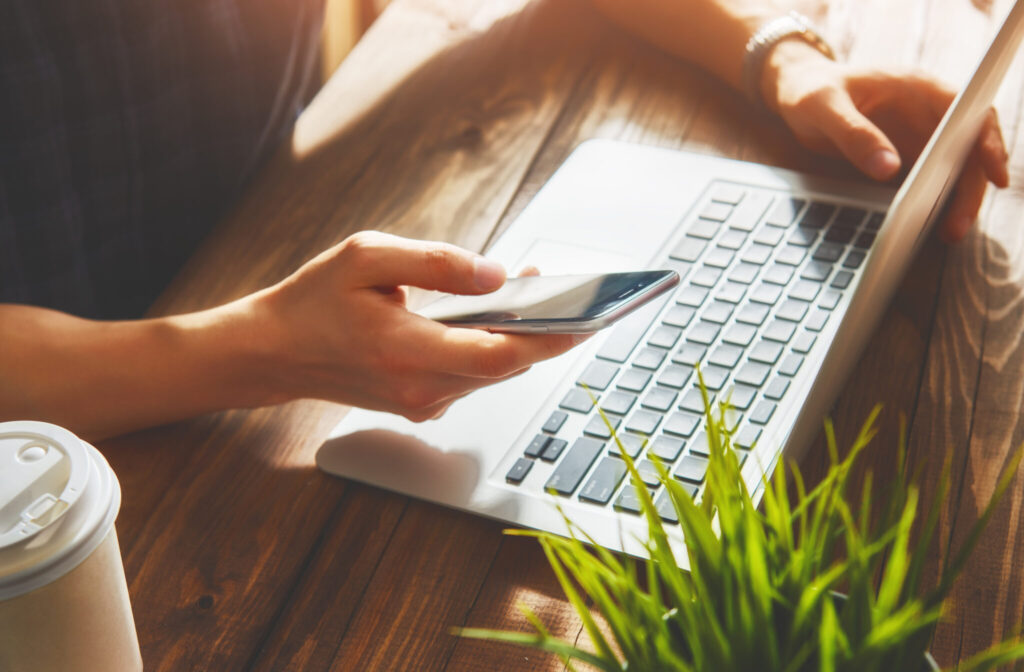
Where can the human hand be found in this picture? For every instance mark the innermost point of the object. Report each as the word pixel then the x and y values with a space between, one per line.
pixel 879 121
pixel 338 328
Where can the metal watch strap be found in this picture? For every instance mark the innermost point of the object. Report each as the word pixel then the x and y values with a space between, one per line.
pixel 764 40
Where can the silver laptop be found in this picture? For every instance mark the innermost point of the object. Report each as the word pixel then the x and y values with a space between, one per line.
pixel 784 278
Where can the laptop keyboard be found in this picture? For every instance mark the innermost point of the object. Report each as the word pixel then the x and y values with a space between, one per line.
pixel 761 274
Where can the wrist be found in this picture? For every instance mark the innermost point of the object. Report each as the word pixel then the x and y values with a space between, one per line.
pixel 788 56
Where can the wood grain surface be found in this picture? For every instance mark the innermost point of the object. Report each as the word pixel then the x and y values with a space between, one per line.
pixel 442 124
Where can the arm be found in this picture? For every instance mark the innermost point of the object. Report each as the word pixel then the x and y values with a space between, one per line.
pixel 337 329
pixel 879 121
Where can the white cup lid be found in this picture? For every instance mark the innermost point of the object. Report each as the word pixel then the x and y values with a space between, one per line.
pixel 58 499
pixel 43 471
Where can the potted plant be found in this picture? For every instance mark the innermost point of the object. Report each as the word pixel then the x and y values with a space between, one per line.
pixel 805 582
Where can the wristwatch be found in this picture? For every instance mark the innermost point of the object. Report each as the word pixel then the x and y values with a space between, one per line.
pixel 764 40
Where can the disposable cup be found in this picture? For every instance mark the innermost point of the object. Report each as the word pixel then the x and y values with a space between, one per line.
pixel 63 595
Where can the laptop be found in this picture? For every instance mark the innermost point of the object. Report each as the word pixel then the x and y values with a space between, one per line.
pixel 784 278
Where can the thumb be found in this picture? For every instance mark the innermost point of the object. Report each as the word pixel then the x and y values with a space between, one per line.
pixel 381 260
pixel 854 135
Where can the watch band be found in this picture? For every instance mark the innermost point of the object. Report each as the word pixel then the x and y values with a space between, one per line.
pixel 764 40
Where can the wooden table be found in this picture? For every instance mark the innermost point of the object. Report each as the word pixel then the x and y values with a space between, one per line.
pixel 442 124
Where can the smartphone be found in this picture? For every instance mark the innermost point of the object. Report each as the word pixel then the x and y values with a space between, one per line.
pixel 557 304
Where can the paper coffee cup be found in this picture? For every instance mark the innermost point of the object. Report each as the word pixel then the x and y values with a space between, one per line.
pixel 63 596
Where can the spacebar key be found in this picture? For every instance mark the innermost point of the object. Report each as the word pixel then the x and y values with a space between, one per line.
pixel 627 333
pixel 574 466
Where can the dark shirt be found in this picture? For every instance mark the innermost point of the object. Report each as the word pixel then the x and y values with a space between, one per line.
pixel 127 127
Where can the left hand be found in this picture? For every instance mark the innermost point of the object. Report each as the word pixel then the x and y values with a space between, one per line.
pixel 879 121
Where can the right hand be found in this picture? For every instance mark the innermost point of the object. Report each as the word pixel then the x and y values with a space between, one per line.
pixel 338 328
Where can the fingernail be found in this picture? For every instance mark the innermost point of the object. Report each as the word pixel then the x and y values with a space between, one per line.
pixel 883 163
pixel 488 274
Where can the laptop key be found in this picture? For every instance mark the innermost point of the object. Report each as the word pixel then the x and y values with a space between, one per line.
pixel 553 450
pixel 733 239
pixel 753 313
pixel 791 255
pixel 778 274
pixel 577 400
pixel 779 331
pixel 840 234
pixel 570 471
pixel 766 294
pixel 727 193
pixel 791 364
pixel 704 333
pixel 744 273
pixel 692 296
pixel 675 376
pixel 817 319
pixel 842 280
pixel 660 399
pixel 718 212
pixel 803 342
pixel 748 214
pixel 682 268
pixel 719 257
pixel 693 401
pixel 803 237
pixel 718 312
pixel 707 276
pixel 769 236
pixel 854 259
pixel 785 212
pixel 766 352
pixel 648 473
pixel 830 299
pixel 666 448
pixel 864 241
pixel 618 402
pixel 681 423
pixel 536 446
pixel 704 228
pixel 700 445
pixel 731 292
pixel 805 290
pixel 554 422
pixel 691 468
pixel 817 215
pixel 689 354
pixel 741 396
pixel 598 427
pixel 604 481
pixel 830 252
pixel 664 336
pixel 874 222
pixel 714 377
pixel 649 358
pixel 777 388
pixel 756 254
pixel 598 375
pixel 740 334
pixel 688 249
pixel 792 310
pixel 678 316
pixel 519 471
pixel 817 271
pixel 850 217
pixel 643 422
pixel 631 443
pixel 747 437
pixel 753 373
pixel 726 355
pixel 763 412
pixel 666 509
pixel 634 380
pixel 628 500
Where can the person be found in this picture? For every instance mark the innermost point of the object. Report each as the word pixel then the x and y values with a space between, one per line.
pixel 128 127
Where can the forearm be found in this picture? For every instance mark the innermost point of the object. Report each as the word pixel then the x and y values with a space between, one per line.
pixel 710 33
pixel 104 378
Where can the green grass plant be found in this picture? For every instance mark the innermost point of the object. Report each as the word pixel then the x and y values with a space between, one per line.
pixel 803 582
